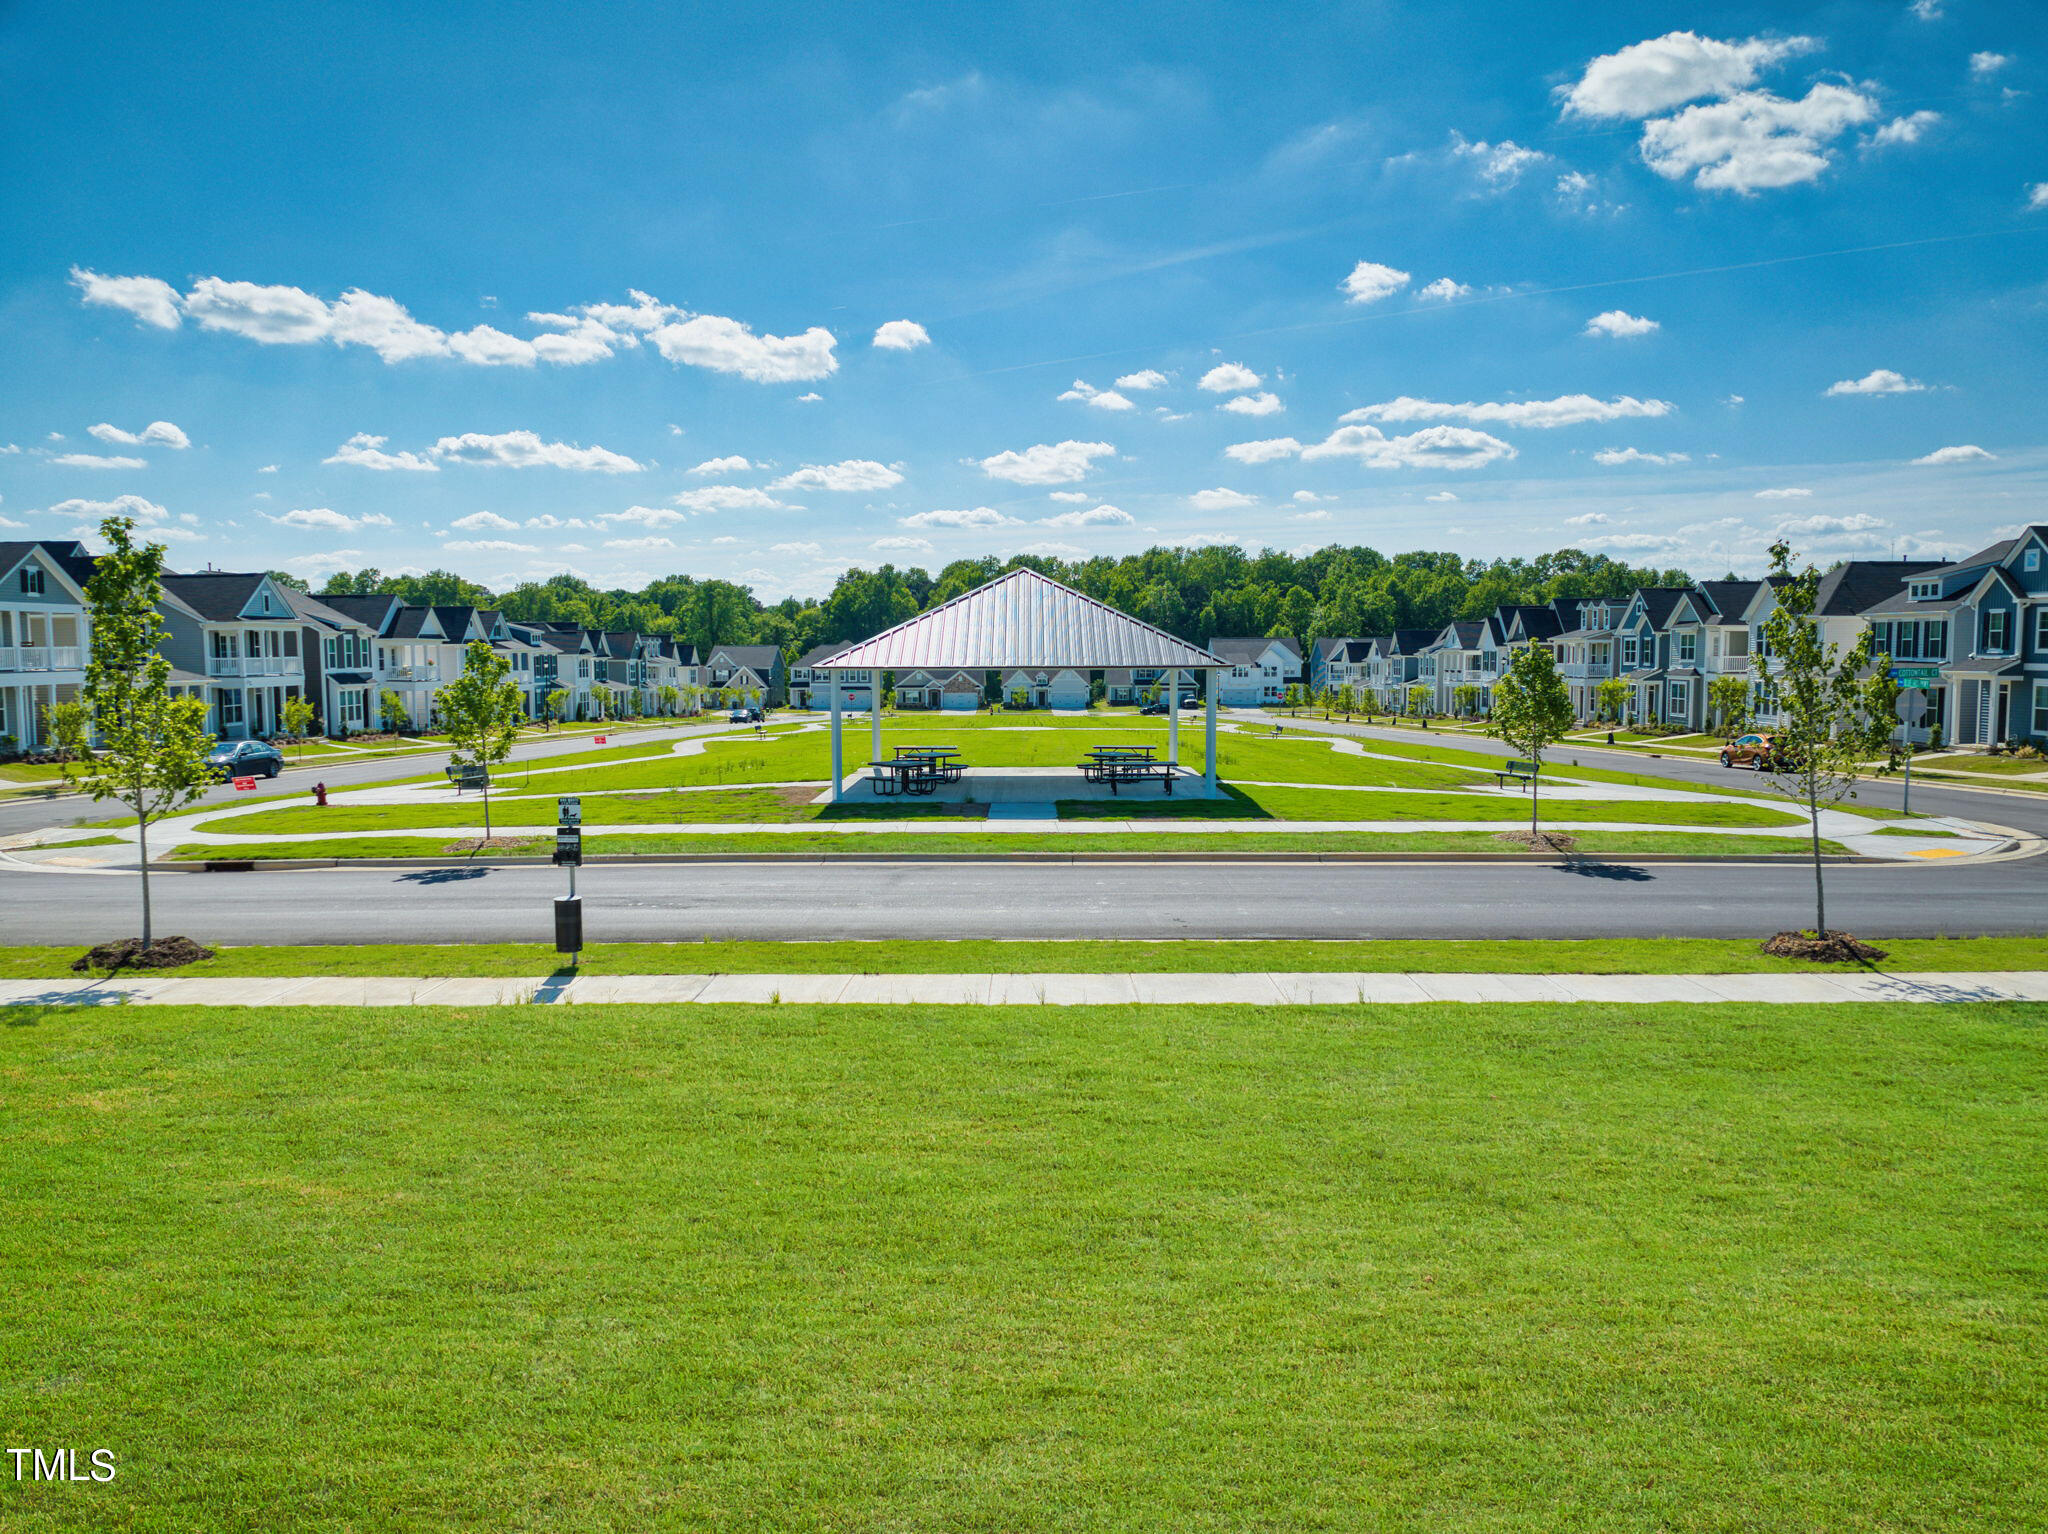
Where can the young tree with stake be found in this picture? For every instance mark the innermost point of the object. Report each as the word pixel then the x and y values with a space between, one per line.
pixel 1831 718
pixel 482 712
pixel 152 745
pixel 298 720
pixel 1532 708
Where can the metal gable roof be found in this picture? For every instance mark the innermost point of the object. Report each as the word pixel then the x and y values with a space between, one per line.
pixel 1022 619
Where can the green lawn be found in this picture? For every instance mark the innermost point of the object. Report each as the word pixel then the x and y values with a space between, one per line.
pixel 1617 956
pixel 985 843
pixel 2004 766
pixel 650 806
pixel 1177 1269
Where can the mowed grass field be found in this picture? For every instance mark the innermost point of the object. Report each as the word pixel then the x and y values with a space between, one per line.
pixel 1503 1268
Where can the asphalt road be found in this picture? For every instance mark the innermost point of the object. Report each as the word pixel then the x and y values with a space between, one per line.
pixel 1213 900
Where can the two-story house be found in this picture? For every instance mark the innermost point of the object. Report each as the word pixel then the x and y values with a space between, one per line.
pixel 1260 670
pixel 44 633
pixel 748 669
pixel 241 632
pixel 1841 602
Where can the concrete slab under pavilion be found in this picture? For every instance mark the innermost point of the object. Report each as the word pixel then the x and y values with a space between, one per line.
pixel 1024 621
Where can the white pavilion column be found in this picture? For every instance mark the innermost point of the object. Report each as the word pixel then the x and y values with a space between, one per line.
pixel 875 718
pixel 838 759
pixel 1173 717
pixel 1209 733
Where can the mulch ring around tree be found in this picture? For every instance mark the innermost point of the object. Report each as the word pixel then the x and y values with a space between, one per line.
pixel 128 953
pixel 1829 948
pixel 1540 841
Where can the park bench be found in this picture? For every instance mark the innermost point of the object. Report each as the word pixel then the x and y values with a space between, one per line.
pixel 469 775
pixel 1523 775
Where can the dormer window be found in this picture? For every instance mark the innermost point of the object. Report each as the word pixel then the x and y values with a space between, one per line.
pixel 1924 591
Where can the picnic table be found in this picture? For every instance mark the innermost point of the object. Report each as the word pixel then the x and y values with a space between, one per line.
pixel 1117 765
pixel 943 762
pixel 915 770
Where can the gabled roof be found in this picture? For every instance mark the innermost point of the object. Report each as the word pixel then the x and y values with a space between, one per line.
pixel 817 653
pixel 1730 598
pixel 758 658
pixel 68 559
pixel 1247 652
pixel 374 612
pixel 313 610
pixel 1527 621
pixel 417 623
pixel 223 596
pixel 1851 587
pixel 1463 633
pixel 1023 619
pixel 1409 641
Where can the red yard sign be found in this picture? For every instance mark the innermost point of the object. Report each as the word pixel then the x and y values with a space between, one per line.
pixel 598 740
pixel 243 785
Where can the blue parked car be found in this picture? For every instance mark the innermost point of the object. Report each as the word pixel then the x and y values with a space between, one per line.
pixel 245 759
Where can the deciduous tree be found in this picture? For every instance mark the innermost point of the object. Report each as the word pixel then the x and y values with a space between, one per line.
pixel 481 711
pixel 1532 708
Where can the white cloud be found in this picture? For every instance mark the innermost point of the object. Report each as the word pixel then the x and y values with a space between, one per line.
pixel 488 346
pixel 357 319
pixel 1310 516
pixel 1095 516
pixel 155 434
pixel 1967 452
pixel 1309 497
pixel 1855 523
pixel 120 506
pixel 733 465
pixel 727 346
pixel 809 399
pixel 1229 378
pixel 323 517
pixel 1444 290
pixel 320 564
pixel 149 299
pixel 1048 463
pixel 1162 413
pixel 978 516
pixel 1500 164
pixel 728 498
pixel 1147 378
pixel 1905 130
pixel 550 521
pixel 1442 495
pixel 1630 543
pixel 901 336
pixel 2037 196
pixel 645 516
pixel 1619 455
pixel 488 546
pixel 1441 447
pixel 902 545
pixel 1879 381
pixel 1788 493
pixel 1578 193
pixel 1086 393
pixel 1565 410
pixel 273 315
pixel 854 474
pixel 95 461
pixel 525 450
pixel 1368 283
pixel 1263 452
pixel 1650 77
pixel 1221 499
pixel 1053 550
pixel 478 521
pixel 801 548
pixel 1253 404
pixel 268 468
pixel 1754 141
pixel 367 452
pixel 1587 519
pixel 1983 64
pixel 1926 10
pixel 639 543
pixel 1076 497
pixel 1619 322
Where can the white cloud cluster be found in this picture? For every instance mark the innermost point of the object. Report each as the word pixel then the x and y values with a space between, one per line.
pixel 1102 399
pixel 526 450
pixel 1619 323
pixel 325 517
pixel 1785 493
pixel 281 315
pixel 1909 129
pixel 727 498
pixel 1221 499
pixel 1538 414
pixel 1434 447
pixel 97 461
pixel 1856 522
pixel 1443 290
pixel 901 336
pixel 854 474
pixel 1048 463
pixel 1369 282
pixel 1263 403
pixel 1587 519
pixel 732 465
pixel 1630 543
pixel 1966 452
pixel 143 511
pixel 1147 378
pixel 1878 381
pixel 155 434
pixel 1619 455
pixel 977 516
pixel 902 545
pixel 1744 140
pixel 364 451
pixel 1268 451
pixel 1983 65
pixel 1229 378
pixel 481 521
pixel 1499 165
pixel 1095 516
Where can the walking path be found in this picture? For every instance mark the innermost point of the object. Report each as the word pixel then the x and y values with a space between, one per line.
pixel 1254 989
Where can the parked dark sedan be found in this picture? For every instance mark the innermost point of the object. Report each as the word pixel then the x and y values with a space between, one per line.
pixel 246 759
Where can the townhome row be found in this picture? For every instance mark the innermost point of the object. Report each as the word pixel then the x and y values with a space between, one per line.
pixel 247 643
pixel 1972 633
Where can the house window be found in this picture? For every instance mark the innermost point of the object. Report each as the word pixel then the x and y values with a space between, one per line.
pixel 1677 694
pixel 2041 628
pixel 230 708
pixel 1997 633
pixel 2032 560
pixel 31 580
pixel 2041 708
pixel 1628 651
pixel 1934 639
pixel 1688 647
pixel 1922 591
pixel 1881 640
pixel 223 645
pixel 1907 645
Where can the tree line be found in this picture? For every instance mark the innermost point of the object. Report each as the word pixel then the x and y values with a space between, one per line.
pixel 1195 594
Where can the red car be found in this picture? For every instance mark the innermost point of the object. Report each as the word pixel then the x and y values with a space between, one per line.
pixel 1758 752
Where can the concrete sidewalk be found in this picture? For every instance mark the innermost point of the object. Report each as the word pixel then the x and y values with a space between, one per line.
pixel 1062 990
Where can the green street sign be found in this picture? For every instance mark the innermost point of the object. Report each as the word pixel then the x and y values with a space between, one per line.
pixel 1909 676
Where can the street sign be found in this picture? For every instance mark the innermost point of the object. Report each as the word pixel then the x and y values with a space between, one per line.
pixel 1915 676
pixel 1912 707
pixel 569 811
pixel 243 785
pixel 569 846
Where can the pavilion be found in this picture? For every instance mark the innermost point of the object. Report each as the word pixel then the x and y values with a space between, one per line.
pixel 1027 622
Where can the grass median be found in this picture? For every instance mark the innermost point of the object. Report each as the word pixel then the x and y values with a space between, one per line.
pixel 1131 1269
pixel 1518 956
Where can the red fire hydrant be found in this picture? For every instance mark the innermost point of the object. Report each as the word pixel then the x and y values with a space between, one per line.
pixel 320 795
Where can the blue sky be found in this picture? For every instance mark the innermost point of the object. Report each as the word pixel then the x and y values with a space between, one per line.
pixel 766 291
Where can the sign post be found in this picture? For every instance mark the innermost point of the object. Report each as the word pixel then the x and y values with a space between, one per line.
pixel 1911 709
pixel 569 854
